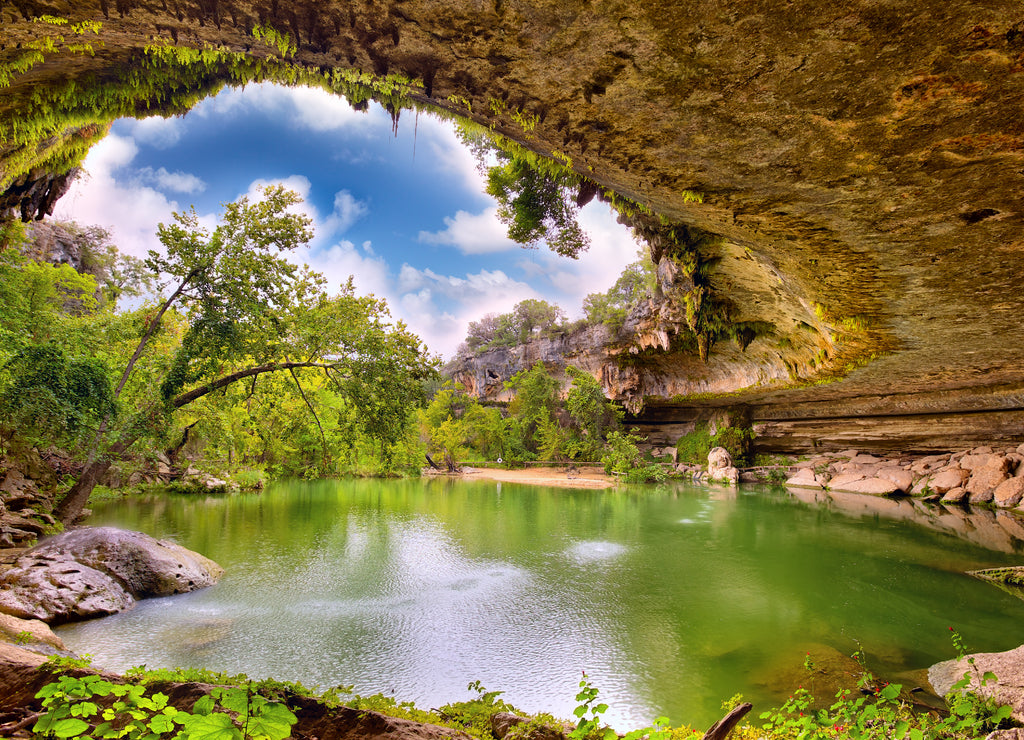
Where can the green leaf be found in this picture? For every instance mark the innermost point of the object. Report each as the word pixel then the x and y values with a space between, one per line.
pixel 102 688
pixel 214 726
pixel 70 727
pixel 890 692
pixel 161 723
pixel 204 705
pixel 272 727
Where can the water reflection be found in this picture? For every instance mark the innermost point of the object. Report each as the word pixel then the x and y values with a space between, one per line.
pixel 672 599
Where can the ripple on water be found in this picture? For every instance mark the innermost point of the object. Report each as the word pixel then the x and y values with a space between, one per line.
pixel 595 551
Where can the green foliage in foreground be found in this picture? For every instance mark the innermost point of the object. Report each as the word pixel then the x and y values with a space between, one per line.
pixel 92 707
pixel 239 709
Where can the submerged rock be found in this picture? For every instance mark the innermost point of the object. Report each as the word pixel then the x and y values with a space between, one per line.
pixel 96 571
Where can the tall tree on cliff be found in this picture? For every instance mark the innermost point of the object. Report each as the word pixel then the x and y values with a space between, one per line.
pixel 249 311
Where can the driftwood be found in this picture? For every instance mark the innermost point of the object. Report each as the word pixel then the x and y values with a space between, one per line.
pixel 721 729
pixel 433 464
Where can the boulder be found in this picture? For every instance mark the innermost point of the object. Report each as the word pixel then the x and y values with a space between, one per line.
pixel 806 478
pixel 984 480
pixel 873 486
pixel 1009 493
pixel 929 464
pixel 955 496
pixel 840 482
pixel 94 571
pixel 903 479
pixel 54 588
pixel 945 480
pixel 720 466
pixel 26 631
pixel 1008 668
pixel 972 461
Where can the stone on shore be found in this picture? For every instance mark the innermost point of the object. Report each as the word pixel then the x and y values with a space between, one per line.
pixel 28 631
pixel 96 571
pixel 720 466
pixel 1008 668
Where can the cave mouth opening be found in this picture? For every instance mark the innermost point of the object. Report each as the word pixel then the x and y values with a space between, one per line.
pixel 400 206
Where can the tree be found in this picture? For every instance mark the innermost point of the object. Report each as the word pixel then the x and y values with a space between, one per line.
pixel 535 402
pixel 592 414
pixel 610 308
pixel 250 312
pixel 538 204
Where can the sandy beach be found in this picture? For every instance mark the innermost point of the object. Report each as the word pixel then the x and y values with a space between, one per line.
pixel 585 478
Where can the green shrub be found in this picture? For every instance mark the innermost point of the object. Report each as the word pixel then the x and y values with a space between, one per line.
pixel 693 448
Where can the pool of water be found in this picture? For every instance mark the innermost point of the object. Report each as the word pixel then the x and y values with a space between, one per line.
pixel 671 599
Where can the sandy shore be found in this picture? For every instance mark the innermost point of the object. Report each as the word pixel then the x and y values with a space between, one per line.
pixel 585 478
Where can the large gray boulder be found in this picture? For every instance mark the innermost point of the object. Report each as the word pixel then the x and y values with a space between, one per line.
pixel 96 571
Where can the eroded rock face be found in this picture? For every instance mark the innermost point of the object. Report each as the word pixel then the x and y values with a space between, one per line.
pixel 96 571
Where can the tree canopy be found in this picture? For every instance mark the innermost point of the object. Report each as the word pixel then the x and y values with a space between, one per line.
pixel 242 330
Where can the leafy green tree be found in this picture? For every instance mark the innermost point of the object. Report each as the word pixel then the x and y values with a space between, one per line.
pixel 610 308
pixel 54 397
pixel 535 402
pixel 529 318
pixel 249 312
pixel 591 413
pixel 621 453
pixel 37 298
pixel 538 204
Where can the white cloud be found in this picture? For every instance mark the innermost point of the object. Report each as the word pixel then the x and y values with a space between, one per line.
pixel 482 233
pixel 131 212
pixel 157 131
pixel 306 107
pixel 453 156
pixel 178 182
pixel 347 210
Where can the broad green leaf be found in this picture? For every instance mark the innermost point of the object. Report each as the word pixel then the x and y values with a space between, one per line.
pixel 204 705
pixel 214 726
pixel 70 727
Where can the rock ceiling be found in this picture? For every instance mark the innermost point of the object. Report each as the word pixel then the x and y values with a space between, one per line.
pixel 862 161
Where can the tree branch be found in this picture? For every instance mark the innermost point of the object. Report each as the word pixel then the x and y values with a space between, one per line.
pixel 184 399
pixel 323 438
pixel 154 324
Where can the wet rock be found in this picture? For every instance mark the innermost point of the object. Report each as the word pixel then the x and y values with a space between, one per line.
pixel 54 588
pixel 95 571
pixel 903 479
pixel 955 496
pixel 873 486
pixel 1008 668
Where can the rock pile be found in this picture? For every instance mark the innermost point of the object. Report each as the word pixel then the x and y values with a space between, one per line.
pixel 979 476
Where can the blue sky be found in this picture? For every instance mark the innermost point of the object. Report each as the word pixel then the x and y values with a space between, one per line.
pixel 406 215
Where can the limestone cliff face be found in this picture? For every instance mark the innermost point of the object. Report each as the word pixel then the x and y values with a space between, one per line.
pixel 859 164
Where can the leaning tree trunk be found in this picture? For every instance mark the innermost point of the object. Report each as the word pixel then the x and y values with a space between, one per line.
pixel 74 501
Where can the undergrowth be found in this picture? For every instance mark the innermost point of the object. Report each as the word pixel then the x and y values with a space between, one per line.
pixel 238 708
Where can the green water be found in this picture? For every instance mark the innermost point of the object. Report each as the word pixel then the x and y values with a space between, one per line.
pixel 671 599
